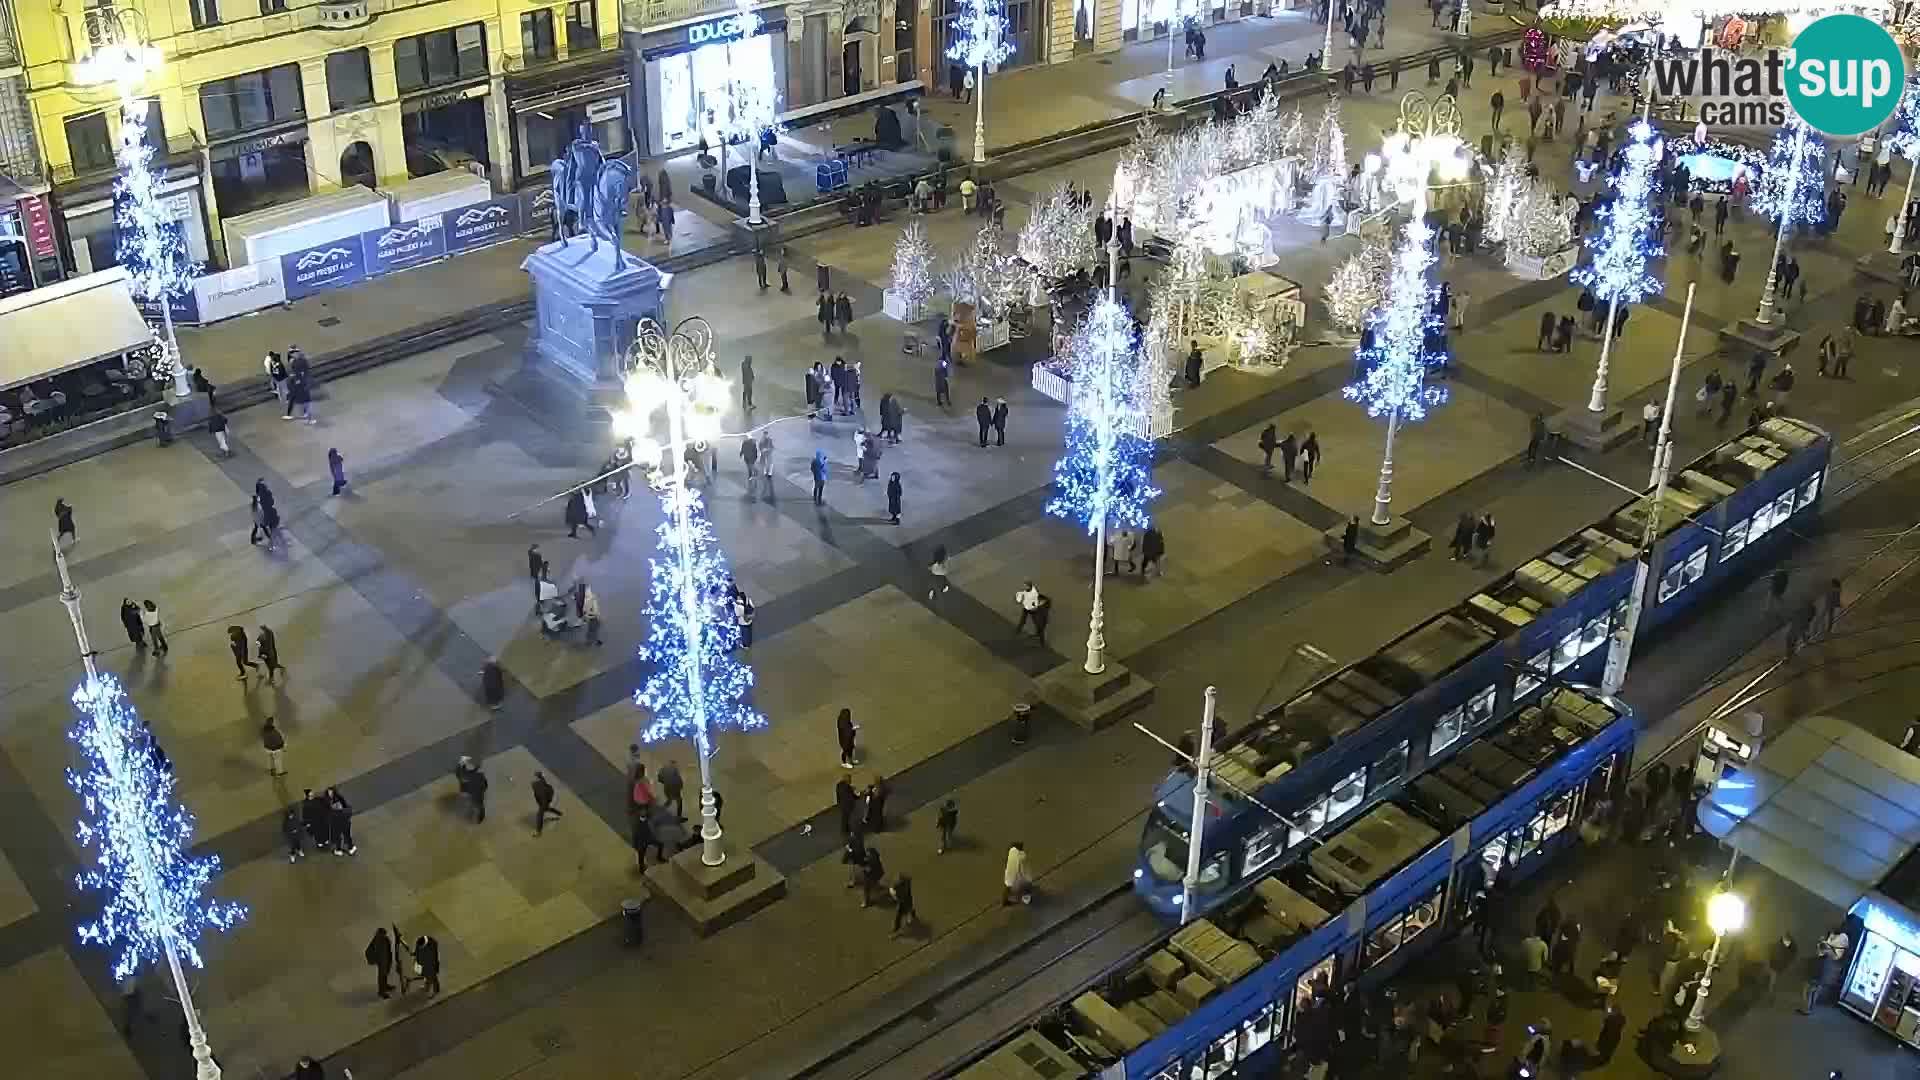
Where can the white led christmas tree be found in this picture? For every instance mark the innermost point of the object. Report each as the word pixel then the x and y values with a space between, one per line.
pixel 147 241
pixel 912 284
pixel 1057 241
pixel 1358 286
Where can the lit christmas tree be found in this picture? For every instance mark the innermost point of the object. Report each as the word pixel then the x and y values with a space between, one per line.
pixel 1792 187
pixel 1105 479
pixel 1057 241
pixel 1358 286
pixel 1535 49
pixel 987 276
pixel 1293 131
pixel 913 269
pixel 1509 180
pixel 1393 383
pixel 140 839
pixel 1627 239
pixel 694 685
pixel 147 241
pixel 1539 224
pixel 1327 154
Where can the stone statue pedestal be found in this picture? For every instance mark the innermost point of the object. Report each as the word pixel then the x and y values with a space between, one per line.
pixel 586 311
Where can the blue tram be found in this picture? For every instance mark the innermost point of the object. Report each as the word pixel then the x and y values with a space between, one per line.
pixel 1228 993
pixel 1353 738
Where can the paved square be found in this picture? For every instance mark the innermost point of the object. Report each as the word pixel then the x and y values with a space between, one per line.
pixel 54 1020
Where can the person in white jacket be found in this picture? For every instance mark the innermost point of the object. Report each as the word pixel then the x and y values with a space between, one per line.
pixel 1018 880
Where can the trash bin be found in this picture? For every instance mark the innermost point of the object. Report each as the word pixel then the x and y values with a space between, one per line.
pixel 163 427
pixel 1022 722
pixel 631 922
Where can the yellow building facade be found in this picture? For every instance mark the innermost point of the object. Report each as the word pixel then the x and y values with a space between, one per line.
pixel 263 102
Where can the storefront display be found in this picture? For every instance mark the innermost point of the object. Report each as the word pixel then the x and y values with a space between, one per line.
pixel 687 71
pixel 1883 982
pixel 550 108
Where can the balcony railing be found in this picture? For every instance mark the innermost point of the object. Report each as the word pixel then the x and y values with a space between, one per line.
pixel 9 38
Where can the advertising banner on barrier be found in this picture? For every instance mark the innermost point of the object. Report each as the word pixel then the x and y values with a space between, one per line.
pixel 536 210
pixel 238 291
pixel 185 311
pixel 326 266
pixel 481 224
pixel 397 247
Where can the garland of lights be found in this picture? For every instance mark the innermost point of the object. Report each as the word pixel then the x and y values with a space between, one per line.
pixel 140 839
pixel 694 685
pixel 1792 189
pixel 1393 382
pixel 913 267
pixel 1628 237
pixel 147 242
pixel 1539 223
pixel 1106 474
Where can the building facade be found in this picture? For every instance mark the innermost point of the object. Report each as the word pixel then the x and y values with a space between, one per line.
pixel 258 103
pixel 26 233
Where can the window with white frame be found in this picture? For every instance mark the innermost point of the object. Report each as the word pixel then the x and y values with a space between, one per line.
pixel 1682 574
pixel 1565 653
pixel 1531 676
pixel 1594 634
pixel 1734 538
pixel 1809 491
pixel 1347 795
pixel 1390 767
pixel 1262 847
pixel 1447 730
pixel 1480 708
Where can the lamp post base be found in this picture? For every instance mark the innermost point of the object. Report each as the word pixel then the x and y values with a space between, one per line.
pixel 1692 1056
pixel 1596 431
pixel 716 897
pixel 1769 337
pixel 1093 701
pixel 1384 547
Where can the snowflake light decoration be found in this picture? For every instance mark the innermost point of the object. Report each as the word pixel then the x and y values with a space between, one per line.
pixel 694 684
pixel 1106 474
pixel 1627 238
pixel 1394 380
pixel 980 35
pixel 140 839
pixel 1792 188
pixel 147 240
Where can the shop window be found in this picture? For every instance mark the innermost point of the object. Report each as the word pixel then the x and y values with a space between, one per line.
pixel 1391 766
pixel 1809 491
pixel 546 134
pixel 255 100
pixel 204 13
pixel 1567 651
pixel 1262 847
pixel 89 144
pixel 583 27
pixel 444 56
pixel 1447 731
pixel 906 26
pixel 1734 538
pixel 1530 677
pixel 536 35
pixel 1480 708
pixel 349 80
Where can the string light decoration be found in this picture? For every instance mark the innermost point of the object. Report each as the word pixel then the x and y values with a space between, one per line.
pixel 1106 475
pixel 1539 224
pixel 1509 181
pixel 1903 138
pixel 1327 155
pixel 140 839
pixel 980 41
pixel 147 241
pixel 913 268
pixel 1535 49
pixel 1293 131
pixel 1792 187
pixel 1057 241
pixel 1358 286
pixel 1393 382
pixel 751 105
pixel 1627 239
pixel 987 276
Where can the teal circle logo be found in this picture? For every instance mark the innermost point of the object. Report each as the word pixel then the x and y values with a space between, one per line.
pixel 1846 75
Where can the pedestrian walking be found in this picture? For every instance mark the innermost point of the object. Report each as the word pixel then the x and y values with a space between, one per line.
pixel 1462 543
pixel 1309 457
pixel 150 617
pixel 294 834
pixel 1000 422
pixel 1269 442
pixel 1499 104
pixel 217 427
pixel 746 370
pixel 493 683
pixel 672 789
pixel 823 314
pixel 1016 878
pixel 340 823
pixel 1649 422
pixel 1483 532
pixel 577 516
pixel 472 783
pixel 130 620
pixel 63 527
pixel 784 286
pixel 983 415
pixel 276 374
pixel 380 956
pixel 1289 455
pixel 843 311
pixel 1777 584
pixel 1536 438
pixel 1028 599
pixel 760 266
pixel 819 469
pixel 1832 609
pixel 1612 1026
pixel 893 498
pixel 299 396
pixel 337 467
pixel 237 644
pixel 543 802
pixel 947 822
pixel 643 838
pixel 1153 550
pixel 1547 321
pixel 847 803
pixel 743 611
pixel 937 573
pixel 846 731
pixel 268 648
pixel 275 745
pixel 426 962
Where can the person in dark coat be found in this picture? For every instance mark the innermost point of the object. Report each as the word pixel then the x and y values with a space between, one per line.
pixel 577 514
pixel 983 415
pixel 1289 455
pixel 1611 1028
pixel 873 872
pixel 340 822
pixel 316 815
pixel 269 648
pixel 1547 321
pixel 1000 422
pixel 844 730
pixel 1349 540
pixel 844 799
pixel 643 837
pixel 337 467
pixel 237 644
pixel 823 312
pixel 290 830
pixel 380 956
pixel 1269 442
pixel 1153 548
pixel 843 311
pixel 876 800
pixel 426 956
pixel 543 802
pixel 818 467
pixel 130 618
pixel 493 683
pixel 893 498
pixel 306 1068
pixel 903 913
pixel 1462 543
pixel 1546 923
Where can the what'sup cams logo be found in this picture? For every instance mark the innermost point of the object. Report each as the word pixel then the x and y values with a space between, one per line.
pixel 1842 77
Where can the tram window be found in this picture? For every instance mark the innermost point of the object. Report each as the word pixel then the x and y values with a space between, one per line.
pixel 1423 914
pixel 1262 847
pixel 1480 708
pixel 1567 651
pixel 1446 731
pixel 1390 768
pixel 1315 983
pixel 1783 507
pixel 1809 491
pixel 1527 681
pixel 1171 1072
pixel 1619 613
pixel 1762 521
pixel 1220 1057
pixel 1734 538
pixel 1347 795
pixel 1164 846
pixel 1493 857
pixel 1258 1031
pixel 1594 634
pixel 1383 941
pixel 1314 819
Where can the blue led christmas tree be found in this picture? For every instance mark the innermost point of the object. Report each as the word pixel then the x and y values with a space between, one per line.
pixel 1792 187
pixel 1627 239
pixel 1903 138
pixel 147 240
pixel 1405 345
pixel 139 839
pixel 694 685
pixel 1106 476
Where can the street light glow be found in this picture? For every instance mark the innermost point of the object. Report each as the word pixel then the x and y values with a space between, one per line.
pixel 1726 912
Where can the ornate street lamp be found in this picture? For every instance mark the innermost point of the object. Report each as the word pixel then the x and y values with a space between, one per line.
pixel 980 42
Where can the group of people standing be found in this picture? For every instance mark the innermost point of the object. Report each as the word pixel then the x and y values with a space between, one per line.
pixel 324 819
pixel 292 383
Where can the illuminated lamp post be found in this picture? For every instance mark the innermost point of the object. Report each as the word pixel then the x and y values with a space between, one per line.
pixel 1791 193
pixel 750 105
pixel 1622 247
pixel 1905 141
pixel 1726 914
pixel 980 42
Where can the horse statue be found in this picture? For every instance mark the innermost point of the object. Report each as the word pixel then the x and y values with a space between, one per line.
pixel 583 176
pixel 562 184
pixel 609 214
